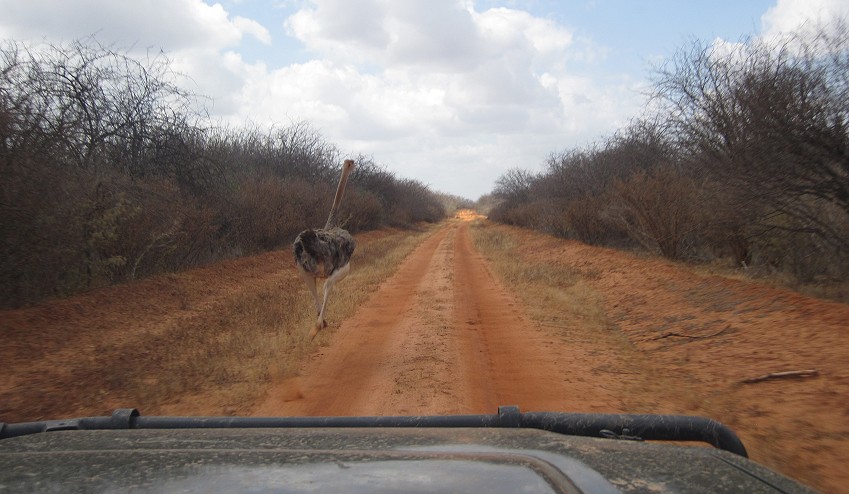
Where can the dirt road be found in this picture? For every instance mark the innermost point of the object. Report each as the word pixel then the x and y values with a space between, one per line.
pixel 442 336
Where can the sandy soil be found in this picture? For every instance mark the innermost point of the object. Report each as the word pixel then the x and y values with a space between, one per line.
pixel 702 336
pixel 443 335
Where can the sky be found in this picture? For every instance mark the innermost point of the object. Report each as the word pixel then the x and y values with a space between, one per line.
pixel 451 93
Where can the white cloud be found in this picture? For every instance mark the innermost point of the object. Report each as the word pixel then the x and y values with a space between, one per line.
pixel 446 35
pixel 252 27
pixel 782 24
pixel 435 89
pixel 785 25
pixel 792 16
pixel 733 51
pixel 340 30
pixel 446 90
pixel 502 27
pixel 201 40
pixel 173 24
pixel 439 90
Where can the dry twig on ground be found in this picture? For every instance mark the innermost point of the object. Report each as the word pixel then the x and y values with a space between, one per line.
pixel 781 375
pixel 680 335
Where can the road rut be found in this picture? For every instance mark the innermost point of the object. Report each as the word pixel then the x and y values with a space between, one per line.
pixel 442 336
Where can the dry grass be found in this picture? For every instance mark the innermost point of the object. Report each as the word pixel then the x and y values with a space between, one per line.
pixel 562 301
pixel 837 291
pixel 542 286
pixel 207 341
pixel 259 335
pixel 825 289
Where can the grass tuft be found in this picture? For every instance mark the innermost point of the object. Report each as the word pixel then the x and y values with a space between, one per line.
pixel 553 294
pixel 260 335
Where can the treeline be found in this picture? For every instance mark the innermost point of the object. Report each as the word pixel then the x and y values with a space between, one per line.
pixel 745 156
pixel 110 172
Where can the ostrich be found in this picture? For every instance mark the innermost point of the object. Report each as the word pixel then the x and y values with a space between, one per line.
pixel 325 253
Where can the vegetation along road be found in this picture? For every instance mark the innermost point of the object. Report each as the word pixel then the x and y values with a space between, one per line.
pixel 457 318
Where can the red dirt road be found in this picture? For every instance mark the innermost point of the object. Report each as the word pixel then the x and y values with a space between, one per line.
pixel 442 336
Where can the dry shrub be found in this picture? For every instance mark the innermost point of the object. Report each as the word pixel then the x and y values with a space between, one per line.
pixel 545 215
pixel 42 213
pixel 143 227
pixel 656 209
pixel 541 215
pixel 267 212
pixel 360 211
pixel 589 222
pixel 67 229
pixel 785 244
pixel 397 216
pixel 727 226
pixel 109 174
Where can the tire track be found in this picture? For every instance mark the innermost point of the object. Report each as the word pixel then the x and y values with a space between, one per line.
pixel 441 336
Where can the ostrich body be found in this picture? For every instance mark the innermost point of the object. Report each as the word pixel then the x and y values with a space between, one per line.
pixel 325 253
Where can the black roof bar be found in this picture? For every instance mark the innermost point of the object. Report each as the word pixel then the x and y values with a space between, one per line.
pixel 622 426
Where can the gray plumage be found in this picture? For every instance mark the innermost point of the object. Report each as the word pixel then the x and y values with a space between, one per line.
pixel 322 252
pixel 325 252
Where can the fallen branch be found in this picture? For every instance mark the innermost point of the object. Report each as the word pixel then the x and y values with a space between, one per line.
pixel 680 335
pixel 555 326
pixel 782 375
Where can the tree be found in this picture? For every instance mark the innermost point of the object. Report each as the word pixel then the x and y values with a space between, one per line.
pixel 771 121
pixel 514 185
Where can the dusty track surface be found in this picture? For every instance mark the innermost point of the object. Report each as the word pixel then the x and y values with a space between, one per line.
pixel 703 336
pixel 442 336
